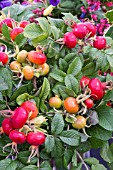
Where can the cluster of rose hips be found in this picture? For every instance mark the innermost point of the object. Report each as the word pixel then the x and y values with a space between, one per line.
pixel 18 128
pixel 92 91
pixel 15 28
pixel 81 31
pixel 28 64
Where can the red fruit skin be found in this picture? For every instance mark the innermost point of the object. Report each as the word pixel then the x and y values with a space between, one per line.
pixel 23 24
pixel 19 118
pixel 70 40
pixel 15 32
pixel 99 42
pixel 80 31
pixel 8 22
pixel 17 137
pixel 89 103
pixel 36 57
pixel 3 58
pixel 84 81
pixel 91 28
pixel 36 138
pixel 6 126
pixel 30 107
pixel 96 89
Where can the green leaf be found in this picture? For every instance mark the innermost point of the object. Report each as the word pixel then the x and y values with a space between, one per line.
pixel 66 92
pixel 45 166
pixel 23 157
pixel 57 124
pixel 99 133
pixel 40 39
pixel 45 90
pixel 70 137
pixel 58 75
pixel 78 167
pixel 6 74
pixel 23 89
pixel 30 167
pixel 32 31
pixel 72 83
pixel 3 85
pixel 89 69
pixel 49 143
pixel 43 22
pixel 110 60
pixel 8 164
pixel 58 149
pixel 23 97
pixel 98 167
pixel 5 32
pixel 67 157
pixel 43 107
pixel 105 115
pixel 69 57
pixel 75 67
pixel 56 32
pixel 74 158
pixel 1 97
pixel 91 161
pixel 58 23
pixel 20 40
pixel 109 32
pixel 69 16
pixel 108 96
pixel 84 147
pixel 109 16
pixel 63 64
pixel 106 153
pixel 96 143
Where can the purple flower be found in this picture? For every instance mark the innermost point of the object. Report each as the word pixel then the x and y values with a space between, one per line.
pixel 5 3
pixel 54 2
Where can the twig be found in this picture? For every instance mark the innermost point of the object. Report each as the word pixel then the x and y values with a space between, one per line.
pixel 82 161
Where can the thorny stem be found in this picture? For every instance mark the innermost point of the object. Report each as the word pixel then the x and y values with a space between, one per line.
pixel 82 161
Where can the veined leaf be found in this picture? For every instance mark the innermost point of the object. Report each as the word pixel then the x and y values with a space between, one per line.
pixel 45 166
pixel 40 38
pixel 32 31
pixel 23 97
pixel 75 67
pixel 72 83
pixel 49 143
pixel 105 115
pixel 70 137
pixel 45 89
pixel 109 16
pixel 98 166
pixel 66 92
pixel 108 96
pixel 109 32
pixel 5 32
pixel 30 167
pixel 58 75
pixel 58 149
pixel 99 133
pixel 57 124
pixel 44 24
pixel 63 64
pixel 8 164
